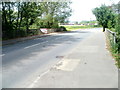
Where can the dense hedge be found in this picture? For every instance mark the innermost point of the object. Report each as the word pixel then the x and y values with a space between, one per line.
pixel 61 28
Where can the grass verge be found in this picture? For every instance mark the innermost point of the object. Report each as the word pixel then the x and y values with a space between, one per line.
pixel 113 50
pixel 75 27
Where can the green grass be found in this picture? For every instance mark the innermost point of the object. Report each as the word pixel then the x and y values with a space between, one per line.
pixel 117 57
pixel 75 27
pixel 113 49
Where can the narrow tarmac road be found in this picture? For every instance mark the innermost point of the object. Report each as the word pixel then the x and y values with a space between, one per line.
pixel 75 59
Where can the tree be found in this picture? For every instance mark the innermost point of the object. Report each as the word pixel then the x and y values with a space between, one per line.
pixel 8 19
pixel 104 15
pixel 30 13
pixel 18 17
pixel 55 12
pixel 118 29
pixel 64 11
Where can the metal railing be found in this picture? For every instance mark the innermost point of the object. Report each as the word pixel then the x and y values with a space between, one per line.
pixel 111 36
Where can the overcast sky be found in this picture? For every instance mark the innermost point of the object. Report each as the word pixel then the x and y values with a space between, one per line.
pixel 82 9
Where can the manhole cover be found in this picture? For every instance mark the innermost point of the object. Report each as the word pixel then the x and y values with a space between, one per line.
pixel 59 56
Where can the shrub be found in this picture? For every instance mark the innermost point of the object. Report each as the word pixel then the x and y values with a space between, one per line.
pixel 61 28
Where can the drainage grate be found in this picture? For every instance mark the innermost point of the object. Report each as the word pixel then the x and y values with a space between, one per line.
pixel 60 57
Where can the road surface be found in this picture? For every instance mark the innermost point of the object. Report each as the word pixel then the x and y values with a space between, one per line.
pixel 73 59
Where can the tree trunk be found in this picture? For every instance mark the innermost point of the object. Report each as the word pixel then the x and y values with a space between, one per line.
pixel 21 18
pixel 9 13
pixel 27 26
pixel 103 29
pixel 17 24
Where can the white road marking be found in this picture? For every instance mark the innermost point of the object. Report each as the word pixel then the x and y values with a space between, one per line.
pixel 38 38
pixel 34 45
pixel 38 78
pixel 2 55
pixel 31 46
pixel 39 43
pixel 58 38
